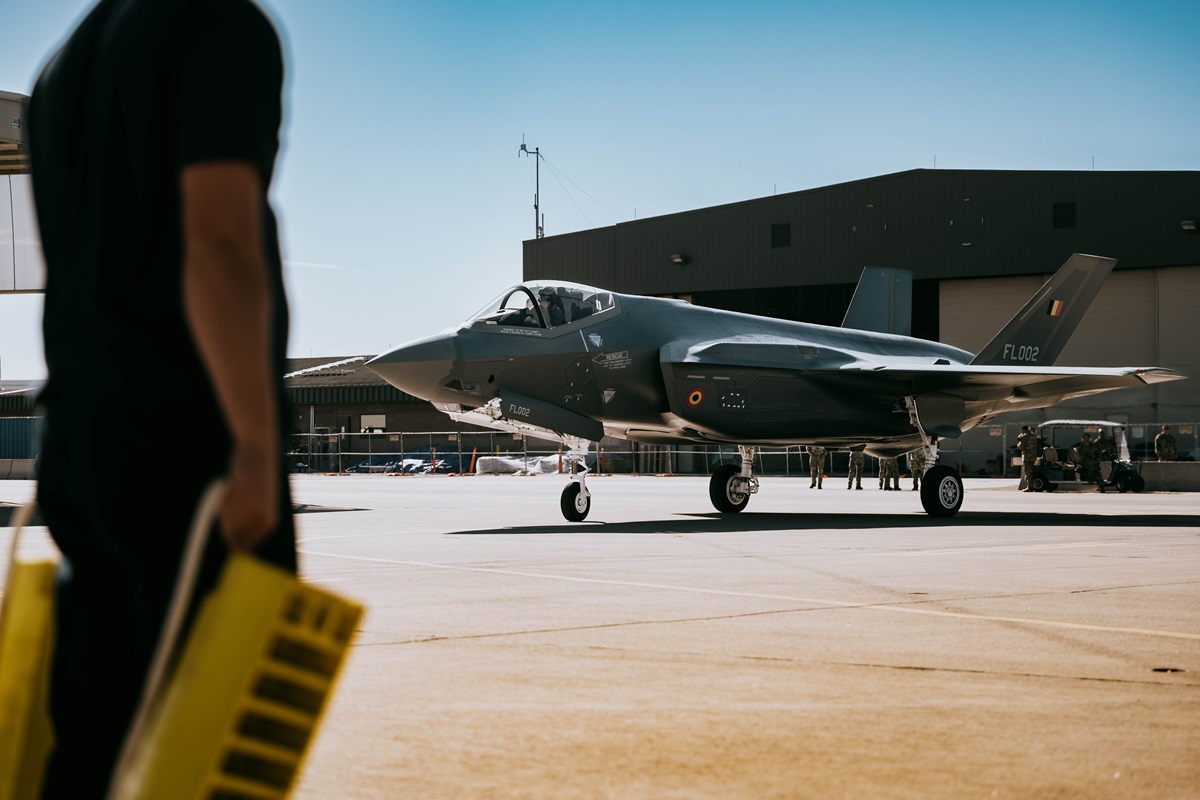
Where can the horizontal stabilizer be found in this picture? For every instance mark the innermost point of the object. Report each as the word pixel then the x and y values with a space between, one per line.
pixel 1040 330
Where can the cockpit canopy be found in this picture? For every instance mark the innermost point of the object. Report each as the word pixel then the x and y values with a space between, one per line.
pixel 545 305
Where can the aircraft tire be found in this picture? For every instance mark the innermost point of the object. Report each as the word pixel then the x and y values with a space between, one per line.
pixel 942 492
pixel 575 506
pixel 725 498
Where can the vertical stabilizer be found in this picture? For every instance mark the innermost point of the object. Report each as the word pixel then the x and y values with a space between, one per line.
pixel 1040 330
pixel 882 302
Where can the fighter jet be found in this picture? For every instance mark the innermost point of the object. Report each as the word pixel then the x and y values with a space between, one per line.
pixel 574 363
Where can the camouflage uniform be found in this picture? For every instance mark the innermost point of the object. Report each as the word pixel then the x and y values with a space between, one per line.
pixel 916 465
pixel 816 465
pixel 1164 446
pixel 856 469
pixel 889 474
pixel 1089 462
pixel 1027 443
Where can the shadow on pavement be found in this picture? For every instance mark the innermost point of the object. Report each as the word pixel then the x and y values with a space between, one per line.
pixel 749 521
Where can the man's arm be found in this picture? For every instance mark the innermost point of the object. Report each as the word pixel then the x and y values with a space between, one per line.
pixel 227 300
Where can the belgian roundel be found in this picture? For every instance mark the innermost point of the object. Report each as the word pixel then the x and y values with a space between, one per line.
pixel 695 398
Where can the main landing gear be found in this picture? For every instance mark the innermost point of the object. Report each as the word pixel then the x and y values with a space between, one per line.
pixel 730 486
pixel 941 486
pixel 576 500
pixel 941 492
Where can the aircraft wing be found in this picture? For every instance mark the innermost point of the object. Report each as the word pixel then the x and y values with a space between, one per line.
pixel 825 380
pixel 986 390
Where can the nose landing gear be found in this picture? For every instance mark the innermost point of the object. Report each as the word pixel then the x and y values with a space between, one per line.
pixel 576 500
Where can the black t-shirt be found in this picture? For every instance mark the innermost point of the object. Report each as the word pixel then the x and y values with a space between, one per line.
pixel 142 89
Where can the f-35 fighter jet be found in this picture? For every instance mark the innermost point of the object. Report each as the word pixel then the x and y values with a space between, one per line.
pixel 574 363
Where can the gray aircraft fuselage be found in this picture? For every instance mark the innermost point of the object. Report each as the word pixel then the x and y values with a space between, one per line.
pixel 660 371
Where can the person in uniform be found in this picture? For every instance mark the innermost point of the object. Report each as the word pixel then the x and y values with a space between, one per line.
pixel 916 465
pixel 816 465
pixel 856 469
pixel 889 473
pixel 552 307
pixel 1089 461
pixel 1027 444
pixel 1164 445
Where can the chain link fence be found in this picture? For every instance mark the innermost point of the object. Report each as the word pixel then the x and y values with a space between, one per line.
pixel 986 451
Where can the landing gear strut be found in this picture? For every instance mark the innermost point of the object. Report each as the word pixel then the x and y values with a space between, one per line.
pixel 730 486
pixel 576 500
pixel 941 486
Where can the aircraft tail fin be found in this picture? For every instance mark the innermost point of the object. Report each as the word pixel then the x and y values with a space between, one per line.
pixel 882 302
pixel 1040 330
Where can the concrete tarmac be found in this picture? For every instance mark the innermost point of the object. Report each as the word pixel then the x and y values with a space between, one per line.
pixel 822 644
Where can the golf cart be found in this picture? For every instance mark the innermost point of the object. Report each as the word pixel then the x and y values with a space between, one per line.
pixel 1060 467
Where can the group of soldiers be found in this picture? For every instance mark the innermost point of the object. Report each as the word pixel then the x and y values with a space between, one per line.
pixel 889 469
pixel 1091 453
pixel 1029 444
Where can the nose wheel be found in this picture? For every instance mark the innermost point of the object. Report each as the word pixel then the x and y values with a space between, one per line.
pixel 576 501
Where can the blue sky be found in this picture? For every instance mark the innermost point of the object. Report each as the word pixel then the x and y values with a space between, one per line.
pixel 404 202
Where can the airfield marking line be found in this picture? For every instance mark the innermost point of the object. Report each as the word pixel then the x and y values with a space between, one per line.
pixel 999 549
pixel 758 596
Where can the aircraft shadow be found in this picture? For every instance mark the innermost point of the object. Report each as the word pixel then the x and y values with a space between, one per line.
pixel 750 522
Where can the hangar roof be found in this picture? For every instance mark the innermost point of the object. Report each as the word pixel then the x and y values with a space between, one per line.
pixel 337 379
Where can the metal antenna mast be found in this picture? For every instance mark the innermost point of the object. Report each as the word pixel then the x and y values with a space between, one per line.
pixel 539 221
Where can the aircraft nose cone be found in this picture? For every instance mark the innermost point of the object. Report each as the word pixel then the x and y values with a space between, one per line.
pixel 421 367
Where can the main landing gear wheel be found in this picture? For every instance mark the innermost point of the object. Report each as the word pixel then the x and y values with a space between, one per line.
pixel 575 503
pixel 727 489
pixel 942 492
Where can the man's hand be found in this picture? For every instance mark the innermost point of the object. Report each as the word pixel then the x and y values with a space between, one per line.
pixel 250 509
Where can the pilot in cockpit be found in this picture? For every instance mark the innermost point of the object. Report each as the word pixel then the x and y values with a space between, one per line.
pixel 552 307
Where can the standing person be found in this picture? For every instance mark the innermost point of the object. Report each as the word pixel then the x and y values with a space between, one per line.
pixel 916 465
pixel 889 470
pixel 816 465
pixel 153 135
pixel 856 469
pixel 1027 443
pixel 1164 445
pixel 1089 461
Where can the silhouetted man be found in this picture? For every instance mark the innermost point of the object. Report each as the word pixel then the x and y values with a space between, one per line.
pixel 153 136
